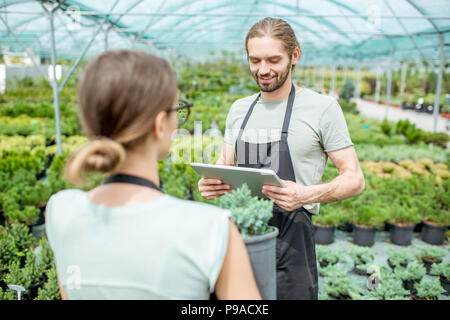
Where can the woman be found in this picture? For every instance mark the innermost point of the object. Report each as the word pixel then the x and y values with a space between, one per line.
pixel 126 239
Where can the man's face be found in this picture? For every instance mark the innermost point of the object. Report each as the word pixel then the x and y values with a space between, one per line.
pixel 269 62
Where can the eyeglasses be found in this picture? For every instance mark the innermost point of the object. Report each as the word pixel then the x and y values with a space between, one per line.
pixel 183 111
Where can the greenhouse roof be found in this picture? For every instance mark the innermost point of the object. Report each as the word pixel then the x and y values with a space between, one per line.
pixel 329 31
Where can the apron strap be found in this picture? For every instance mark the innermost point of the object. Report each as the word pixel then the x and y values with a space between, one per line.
pixel 287 115
pixel 126 178
pixel 247 116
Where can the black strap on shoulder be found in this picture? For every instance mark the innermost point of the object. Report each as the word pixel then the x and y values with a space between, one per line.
pixel 126 178
pixel 287 115
pixel 247 116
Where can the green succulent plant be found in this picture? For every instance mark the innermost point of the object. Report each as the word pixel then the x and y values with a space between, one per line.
pixel 441 269
pixel 413 272
pixel 429 288
pixel 362 256
pixel 432 253
pixel 399 257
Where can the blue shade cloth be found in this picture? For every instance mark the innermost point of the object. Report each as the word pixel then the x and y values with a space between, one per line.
pixel 328 30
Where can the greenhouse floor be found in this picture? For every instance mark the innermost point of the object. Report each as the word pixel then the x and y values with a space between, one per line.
pixel 424 121
pixel 344 240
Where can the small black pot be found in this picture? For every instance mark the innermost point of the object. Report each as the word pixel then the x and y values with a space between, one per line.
pixel 409 285
pixel 364 236
pixel 445 284
pixel 33 289
pixel 346 227
pixel 401 235
pixel 433 234
pixel 403 265
pixel 360 272
pixel 427 263
pixel 323 234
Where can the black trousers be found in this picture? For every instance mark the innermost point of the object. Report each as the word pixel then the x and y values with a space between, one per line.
pixel 297 277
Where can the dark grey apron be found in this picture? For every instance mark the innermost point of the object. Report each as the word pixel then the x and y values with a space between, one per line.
pixel 296 256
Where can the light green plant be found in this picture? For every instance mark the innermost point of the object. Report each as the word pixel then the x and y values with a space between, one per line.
pixel 250 214
pixel 389 289
pixel 399 257
pixel 429 288
pixel 327 255
pixel 362 256
pixel 413 272
pixel 50 291
pixel 432 253
pixel 441 269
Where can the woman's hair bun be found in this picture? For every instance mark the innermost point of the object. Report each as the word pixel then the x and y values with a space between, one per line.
pixel 102 155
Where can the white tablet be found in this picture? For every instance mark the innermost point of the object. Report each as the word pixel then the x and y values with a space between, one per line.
pixel 237 176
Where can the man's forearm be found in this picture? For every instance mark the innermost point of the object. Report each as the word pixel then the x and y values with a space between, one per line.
pixel 342 187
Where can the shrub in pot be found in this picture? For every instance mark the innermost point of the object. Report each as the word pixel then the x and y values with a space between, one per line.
pixel 399 257
pixel 50 289
pixel 251 216
pixel 326 221
pixel 428 289
pixel 410 275
pixel 443 271
pixel 366 220
pixel 402 219
pixel 434 225
pixel 362 259
pixel 341 288
pixel 389 289
pixel 328 256
pixel 429 255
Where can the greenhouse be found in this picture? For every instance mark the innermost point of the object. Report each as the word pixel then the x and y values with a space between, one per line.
pixel 350 99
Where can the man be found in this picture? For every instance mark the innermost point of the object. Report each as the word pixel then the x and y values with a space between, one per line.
pixel 293 131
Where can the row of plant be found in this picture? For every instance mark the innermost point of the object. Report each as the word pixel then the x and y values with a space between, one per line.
pixel 401 277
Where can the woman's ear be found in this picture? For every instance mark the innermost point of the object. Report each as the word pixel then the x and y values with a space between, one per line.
pixel 159 125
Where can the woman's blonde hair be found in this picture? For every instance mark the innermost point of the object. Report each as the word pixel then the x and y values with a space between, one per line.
pixel 278 29
pixel 119 95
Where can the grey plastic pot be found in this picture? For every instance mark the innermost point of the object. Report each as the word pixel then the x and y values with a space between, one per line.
pixel 364 236
pixel 433 234
pixel 401 235
pixel 323 234
pixel 262 253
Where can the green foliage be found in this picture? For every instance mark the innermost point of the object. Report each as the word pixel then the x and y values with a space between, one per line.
pixel 250 214
pixel 429 288
pixel 328 255
pixel 347 90
pixel 362 256
pixel 330 215
pixel 433 253
pixel 414 271
pixel 399 257
pixel 386 127
pixel 389 289
pixel 441 269
pixel 342 287
pixel 50 290
pixel 369 216
pixel 46 257
pixel 400 212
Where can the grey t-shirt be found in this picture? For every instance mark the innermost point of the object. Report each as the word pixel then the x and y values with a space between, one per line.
pixel 317 126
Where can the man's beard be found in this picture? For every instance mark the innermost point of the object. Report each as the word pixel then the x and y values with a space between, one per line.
pixel 276 82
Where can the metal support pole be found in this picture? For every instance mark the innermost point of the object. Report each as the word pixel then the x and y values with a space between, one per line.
pixel 377 87
pixel 437 99
pixel 333 79
pixel 323 79
pixel 357 78
pixel 55 81
pixel 403 78
pixel 389 83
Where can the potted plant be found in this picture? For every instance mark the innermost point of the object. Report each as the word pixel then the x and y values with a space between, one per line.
pixel 398 257
pixel 328 256
pixel 325 222
pixel 402 219
pixel 341 288
pixel 362 259
pixel 366 219
pixel 427 289
pixel 389 289
pixel 50 289
pixel 429 255
pixel 251 216
pixel 410 275
pixel 443 271
pixel 434 225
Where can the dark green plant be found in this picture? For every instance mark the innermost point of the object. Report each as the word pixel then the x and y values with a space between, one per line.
pixel 403 213
pixel 250 214
pixel 386 127
pixel 429 288
pixel 50 291
pixel 330 216
pixel 342 288
pixel 441 269
pixel 432 253
pixel 369 215
pixel 347 90
pixel 46 256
